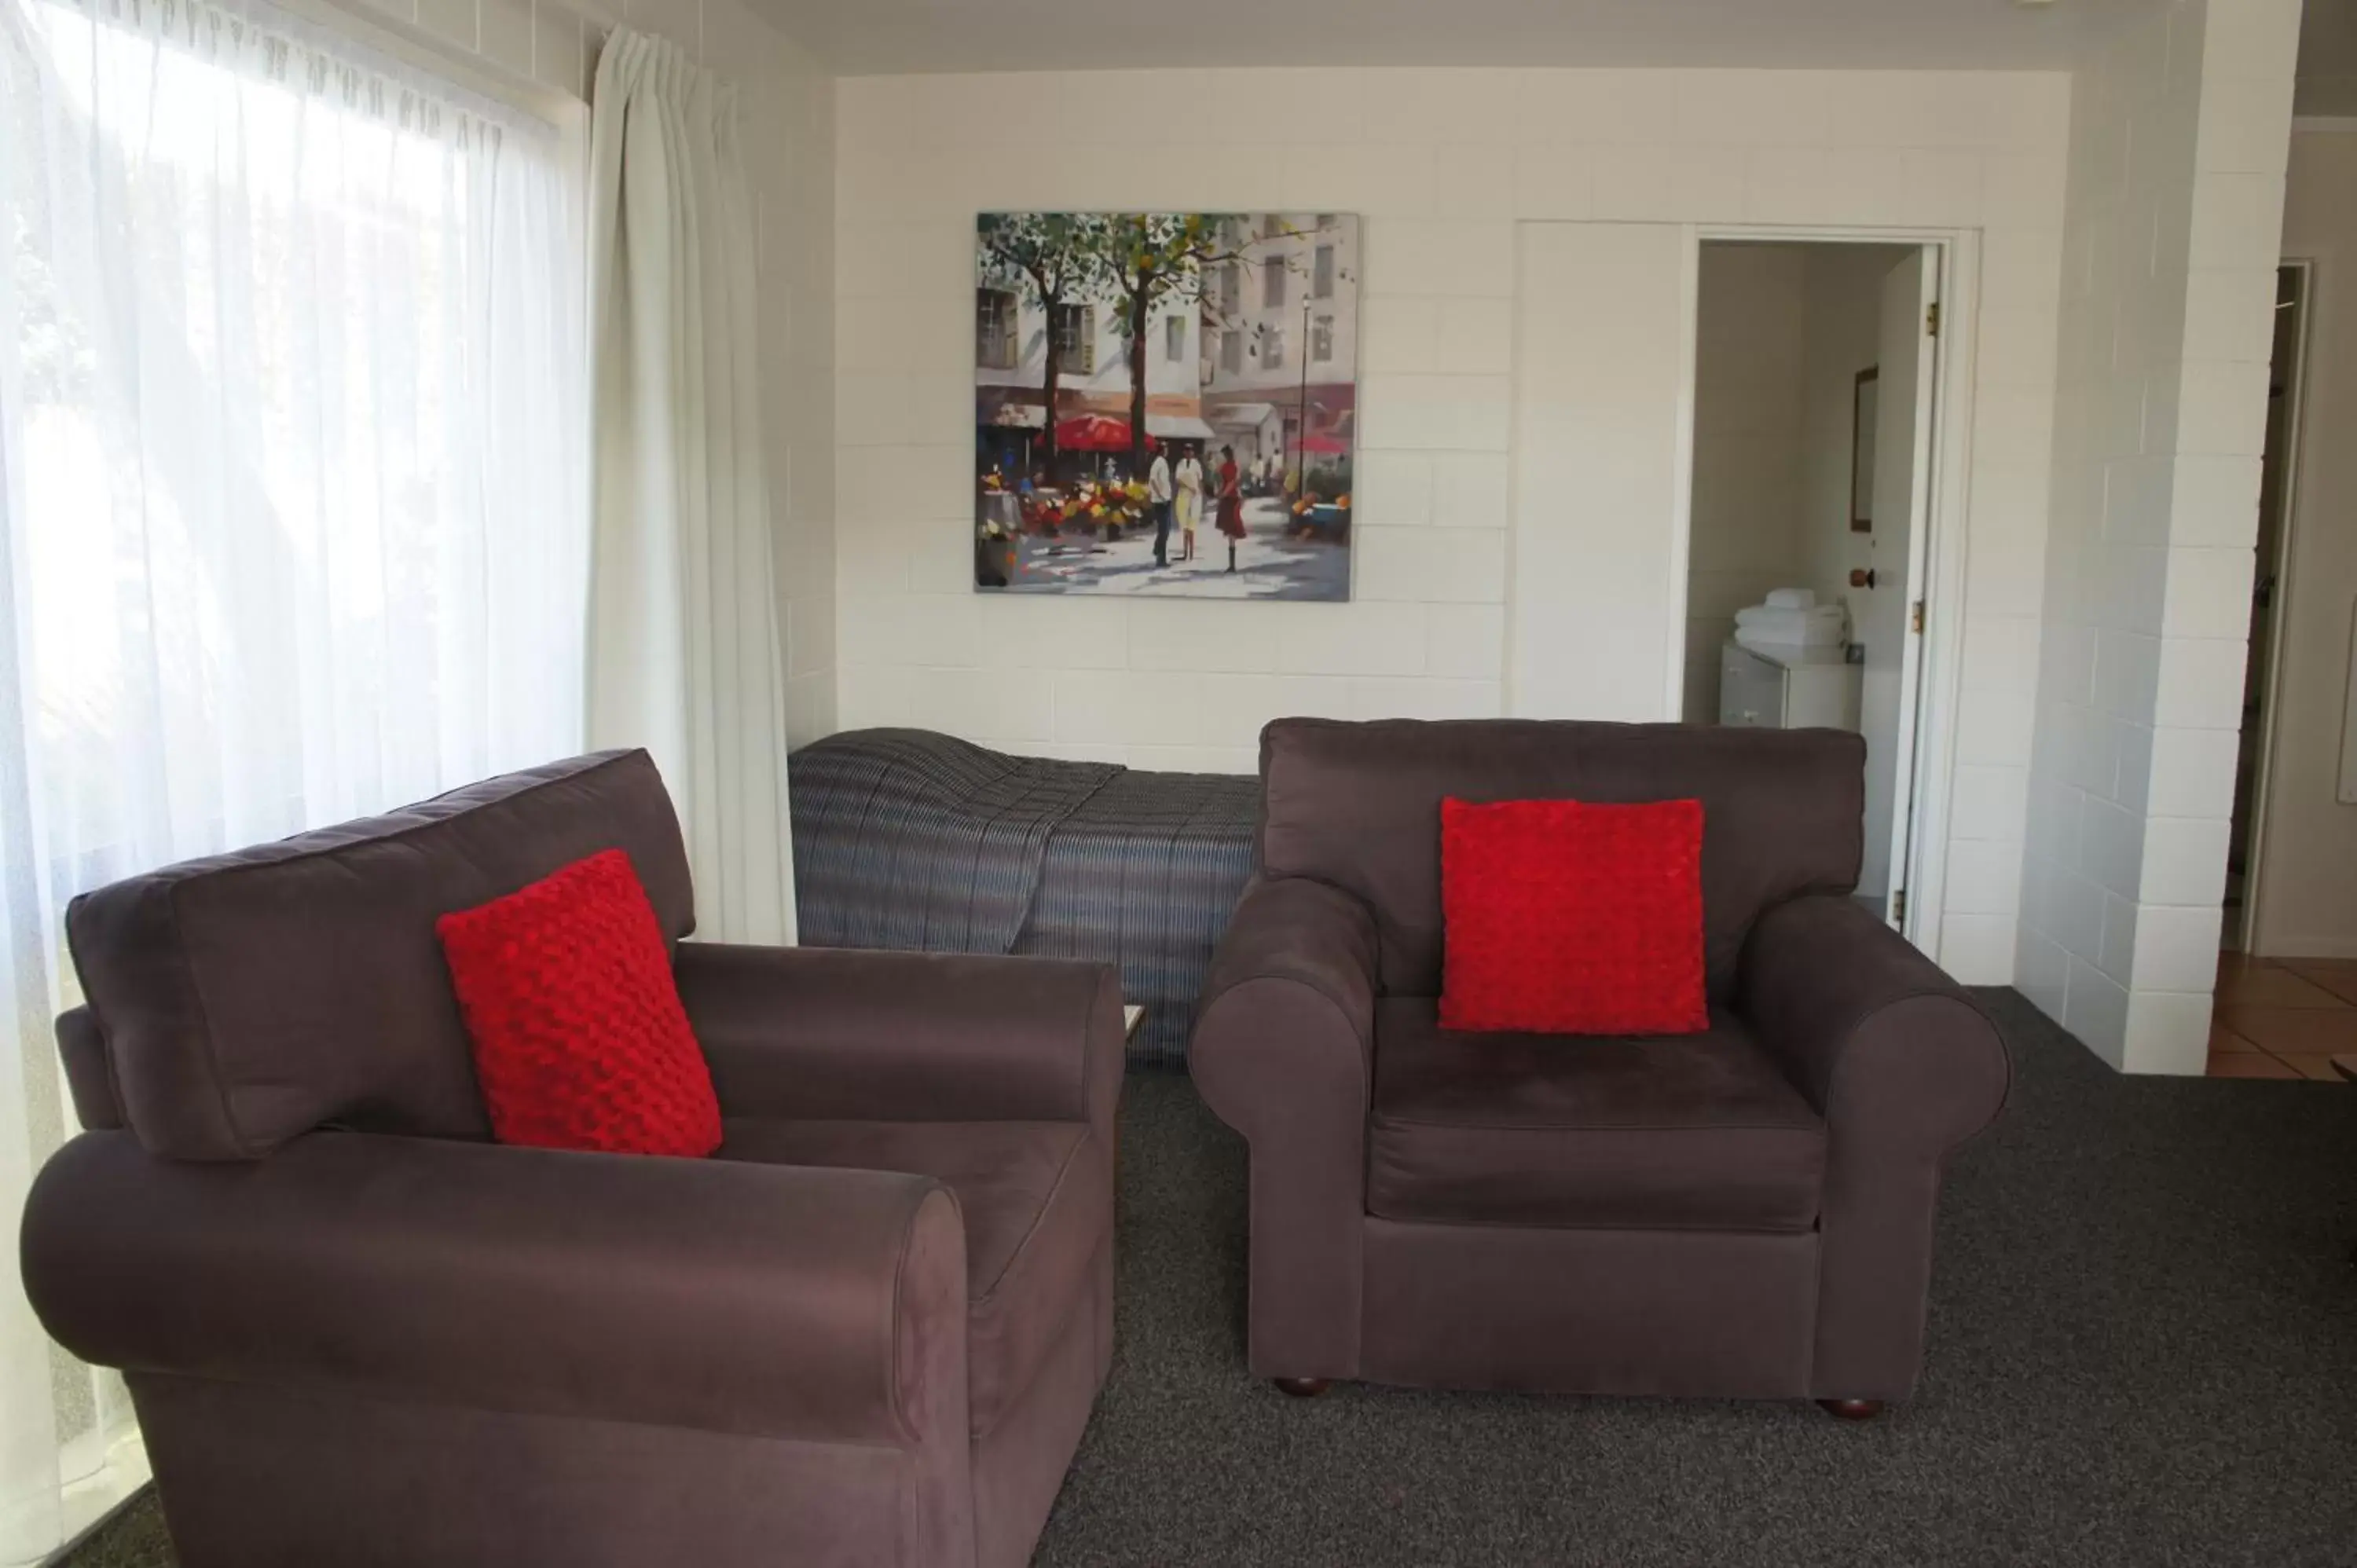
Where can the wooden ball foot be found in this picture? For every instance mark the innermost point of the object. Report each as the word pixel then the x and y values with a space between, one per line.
pixel 1302 1388
pixel 1852 1410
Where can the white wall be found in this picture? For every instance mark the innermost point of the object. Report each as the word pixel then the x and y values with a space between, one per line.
pixel 792 145
pixel 2307 891
pixel 1747 534
pixel 2176 184
pixel 1443 163
pixel 790 150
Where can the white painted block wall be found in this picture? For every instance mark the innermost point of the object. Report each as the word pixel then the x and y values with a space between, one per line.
pixel 1443 165
pixel 2175 207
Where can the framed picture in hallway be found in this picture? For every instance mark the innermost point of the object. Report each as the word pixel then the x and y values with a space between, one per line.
pixel 1165 402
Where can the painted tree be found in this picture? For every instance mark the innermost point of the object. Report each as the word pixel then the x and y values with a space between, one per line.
pixel 1049 260
pixel 1142 261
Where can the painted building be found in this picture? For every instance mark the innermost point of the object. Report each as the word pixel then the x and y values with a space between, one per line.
pixel 1281 333
pixel 1014 338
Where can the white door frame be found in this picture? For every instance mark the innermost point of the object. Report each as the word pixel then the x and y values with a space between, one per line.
pixel 2254 854
pixel 1955 253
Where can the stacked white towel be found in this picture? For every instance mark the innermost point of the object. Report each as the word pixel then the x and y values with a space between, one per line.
pixel 1772 625
pixel 1791 599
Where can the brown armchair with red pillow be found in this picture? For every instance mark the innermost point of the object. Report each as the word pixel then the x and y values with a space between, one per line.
pixel 869 1328
pixel 1743 1209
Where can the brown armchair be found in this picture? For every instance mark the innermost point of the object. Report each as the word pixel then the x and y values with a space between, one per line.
pixel 868 1331
pixel 1745 1212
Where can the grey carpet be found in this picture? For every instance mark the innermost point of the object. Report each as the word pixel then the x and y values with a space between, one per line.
pixel 2143 1350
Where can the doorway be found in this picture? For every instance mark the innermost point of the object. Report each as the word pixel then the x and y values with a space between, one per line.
pixel 1810 507
pixel 2246 844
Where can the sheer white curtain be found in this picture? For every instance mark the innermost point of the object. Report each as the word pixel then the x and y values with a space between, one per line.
pixel 293 501
pixel 683 655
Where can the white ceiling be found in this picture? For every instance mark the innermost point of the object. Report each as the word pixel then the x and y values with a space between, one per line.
pixel 864 37
pixel 874 36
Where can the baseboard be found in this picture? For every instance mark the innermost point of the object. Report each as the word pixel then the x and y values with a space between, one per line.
pixel 2311 947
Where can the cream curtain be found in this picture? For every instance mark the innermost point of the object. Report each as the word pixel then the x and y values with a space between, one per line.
pixel 683 645
pixel 293 519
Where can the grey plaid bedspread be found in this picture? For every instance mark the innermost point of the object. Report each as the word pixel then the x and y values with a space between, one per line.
pixel 913 840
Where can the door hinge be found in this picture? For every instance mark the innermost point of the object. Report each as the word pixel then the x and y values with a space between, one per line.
pixel 1898 908
pixel 1932 319
pixel 1917 615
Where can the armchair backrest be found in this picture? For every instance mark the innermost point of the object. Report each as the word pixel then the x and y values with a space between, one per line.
pixel 247 998
pixel 1358 806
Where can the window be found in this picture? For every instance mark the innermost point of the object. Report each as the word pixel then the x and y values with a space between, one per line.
pixel 1076 339
pixel 1272 348
pixel 1231 292
pixel 1231 351
pixel 1272 282
pixel 1174 337
pixel 1321 338
pixel 293 414
pixel 994 328
pixel 1322 273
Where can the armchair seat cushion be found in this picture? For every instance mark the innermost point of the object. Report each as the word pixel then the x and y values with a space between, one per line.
pixel 1036 1206
pixel 1689 1132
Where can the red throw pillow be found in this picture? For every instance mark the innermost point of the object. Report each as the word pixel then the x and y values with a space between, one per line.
pixel 1566 917
pixel 580 1040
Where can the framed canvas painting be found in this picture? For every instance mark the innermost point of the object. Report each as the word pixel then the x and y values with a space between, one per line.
pixel 1165 402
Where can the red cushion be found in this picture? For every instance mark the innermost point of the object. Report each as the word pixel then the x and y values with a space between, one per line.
pixel 580 1040
pixel 1564 918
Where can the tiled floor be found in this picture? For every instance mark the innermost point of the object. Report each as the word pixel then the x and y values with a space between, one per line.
pixel 2285 1017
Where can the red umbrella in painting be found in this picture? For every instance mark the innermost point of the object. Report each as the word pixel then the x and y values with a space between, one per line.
pixel 1314 442
pixel 1093 433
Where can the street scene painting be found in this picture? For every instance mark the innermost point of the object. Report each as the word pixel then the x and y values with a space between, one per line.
pixel 1165 402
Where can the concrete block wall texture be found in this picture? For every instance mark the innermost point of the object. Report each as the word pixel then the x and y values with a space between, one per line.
pixel 2177 141
pixel 1442 166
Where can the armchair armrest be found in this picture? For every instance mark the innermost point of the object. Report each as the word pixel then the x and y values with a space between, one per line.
pixel 1903 1064
pixel 823 1304
pixel 1295 948
pixel 838 1032
pixel 1291 929
pixel 1868 1027
pixel 1284 1053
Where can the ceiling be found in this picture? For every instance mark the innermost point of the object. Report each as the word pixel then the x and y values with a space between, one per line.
pixel 859 38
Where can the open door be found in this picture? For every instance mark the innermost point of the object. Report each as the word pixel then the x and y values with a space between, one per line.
pixel 1892 626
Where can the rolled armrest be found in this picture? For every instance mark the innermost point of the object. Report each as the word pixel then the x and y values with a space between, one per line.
pixel 1288 933
pixel 1903 1064
pixel 1284 1052
pixel 826 1304
pixel 837 1032
pixel 1868 1027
